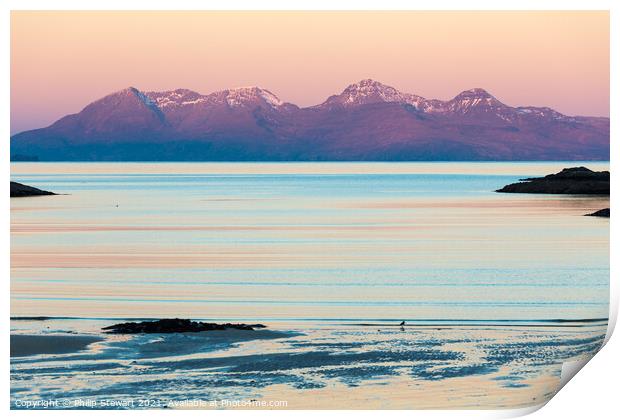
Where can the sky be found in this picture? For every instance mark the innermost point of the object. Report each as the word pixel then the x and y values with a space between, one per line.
pixel 63 60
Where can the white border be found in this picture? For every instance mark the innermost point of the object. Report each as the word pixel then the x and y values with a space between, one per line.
pixel 308 5
pixel 595 385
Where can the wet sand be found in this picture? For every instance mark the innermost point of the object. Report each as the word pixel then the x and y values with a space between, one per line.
pixel 306 364
pixel 30 345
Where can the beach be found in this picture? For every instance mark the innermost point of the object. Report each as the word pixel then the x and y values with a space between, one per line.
pixel 334 365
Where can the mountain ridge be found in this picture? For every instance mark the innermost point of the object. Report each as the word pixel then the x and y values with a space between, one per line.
pixel 368 120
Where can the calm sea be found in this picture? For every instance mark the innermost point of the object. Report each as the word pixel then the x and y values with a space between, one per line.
pixel 305 241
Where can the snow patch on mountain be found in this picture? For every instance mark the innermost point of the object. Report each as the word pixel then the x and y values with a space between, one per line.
pixel 475 102
pixel 176 98
pixel 233 98
pixel 250 95
pixel 142 97
pixel 544 112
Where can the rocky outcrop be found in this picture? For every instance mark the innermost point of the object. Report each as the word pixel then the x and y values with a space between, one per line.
pixel 579 180
pixel 600 213
pixel 21 190
pixel 176 325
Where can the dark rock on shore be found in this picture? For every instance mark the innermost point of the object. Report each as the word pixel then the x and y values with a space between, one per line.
pixel 176 325
pixel 21 190
pixel 578 180
pixel 600 213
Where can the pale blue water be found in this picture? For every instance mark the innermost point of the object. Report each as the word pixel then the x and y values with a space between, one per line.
pixel 305 241
pixel 497 289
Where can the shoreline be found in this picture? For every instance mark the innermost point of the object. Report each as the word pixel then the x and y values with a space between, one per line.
pixel 344 321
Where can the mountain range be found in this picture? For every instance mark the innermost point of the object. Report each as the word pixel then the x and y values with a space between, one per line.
pixel 368 121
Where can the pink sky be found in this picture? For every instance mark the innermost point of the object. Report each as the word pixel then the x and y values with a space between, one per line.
pixel 61 61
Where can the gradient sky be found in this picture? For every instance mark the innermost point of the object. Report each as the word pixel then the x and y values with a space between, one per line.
pixel 61 61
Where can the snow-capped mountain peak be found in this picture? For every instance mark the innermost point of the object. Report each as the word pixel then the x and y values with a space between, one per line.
pixel 368 91
pixel 140 95
pixel 249 95
pixel 127 97
pixel 474 93
pixel 476 100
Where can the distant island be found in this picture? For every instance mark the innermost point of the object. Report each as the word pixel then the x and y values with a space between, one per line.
pixel 367 121
pixel 21 190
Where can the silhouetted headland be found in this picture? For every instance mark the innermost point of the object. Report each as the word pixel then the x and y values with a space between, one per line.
pixel 600 213
pixel 21 190
pixel 578 180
